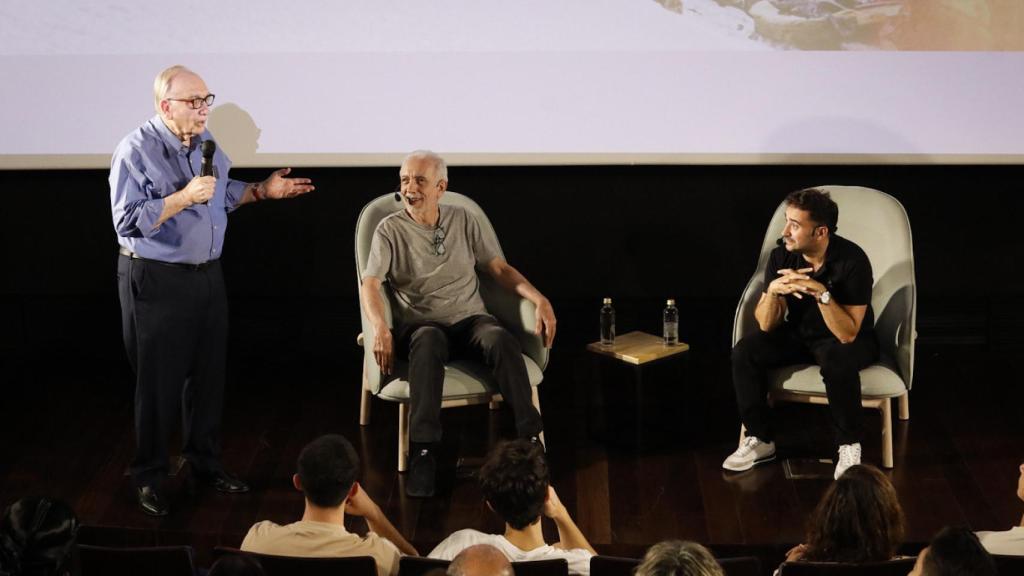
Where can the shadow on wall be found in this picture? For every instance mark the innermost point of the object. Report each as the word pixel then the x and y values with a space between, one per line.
pixel 236 133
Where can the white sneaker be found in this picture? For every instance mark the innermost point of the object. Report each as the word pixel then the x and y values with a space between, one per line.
pixel 849 455
pixel 752 451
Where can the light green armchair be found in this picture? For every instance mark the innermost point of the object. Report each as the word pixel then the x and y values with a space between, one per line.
pixel 878 223
pixel 466 382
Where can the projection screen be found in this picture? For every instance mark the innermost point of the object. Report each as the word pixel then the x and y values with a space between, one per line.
pixel 361 82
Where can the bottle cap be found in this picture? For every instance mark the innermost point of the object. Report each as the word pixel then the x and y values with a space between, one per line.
pixel 670 302
pixel 607 300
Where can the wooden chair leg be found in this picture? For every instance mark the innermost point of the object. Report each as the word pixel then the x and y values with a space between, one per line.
pixel 743 433
pixel 905 406
pixel 364 402
pixel 403 436
pixel 495 404
pixel 535 397
pixel 886 409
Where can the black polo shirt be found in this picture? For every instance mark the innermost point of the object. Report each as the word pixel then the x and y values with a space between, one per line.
pixel 846 274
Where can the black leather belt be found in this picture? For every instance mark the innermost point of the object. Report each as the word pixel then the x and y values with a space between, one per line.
pixel 183 265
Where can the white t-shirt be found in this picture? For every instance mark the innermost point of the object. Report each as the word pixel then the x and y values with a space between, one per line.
pixel 1007 543
pixel 578 558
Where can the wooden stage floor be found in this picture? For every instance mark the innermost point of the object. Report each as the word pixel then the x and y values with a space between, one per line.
pixel 955 460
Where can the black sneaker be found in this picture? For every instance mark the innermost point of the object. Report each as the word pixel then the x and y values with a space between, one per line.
pixel 421 478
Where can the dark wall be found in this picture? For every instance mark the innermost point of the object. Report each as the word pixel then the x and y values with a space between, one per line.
pixel 639 234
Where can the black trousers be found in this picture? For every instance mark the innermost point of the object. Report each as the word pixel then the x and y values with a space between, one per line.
pixel 840 364
pixel 430 345
pixel 174 321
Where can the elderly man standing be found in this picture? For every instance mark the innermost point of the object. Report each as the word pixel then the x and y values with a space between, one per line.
pixel 429 255
pixel 170 222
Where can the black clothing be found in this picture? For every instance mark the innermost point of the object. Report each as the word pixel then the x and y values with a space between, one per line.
pixel 429 345
pixel 804 338
pixel 846 274
pixel 174 320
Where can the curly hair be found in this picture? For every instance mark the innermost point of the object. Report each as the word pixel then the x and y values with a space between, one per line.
pixel 859 519
pixel 515 480
pixel 822 209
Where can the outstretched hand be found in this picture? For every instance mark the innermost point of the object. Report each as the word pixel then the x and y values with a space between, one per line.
pixel 277 187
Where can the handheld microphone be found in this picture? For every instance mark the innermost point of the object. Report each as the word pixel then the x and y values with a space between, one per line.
pixel 398 196
pixel 780 241
pixel 209 147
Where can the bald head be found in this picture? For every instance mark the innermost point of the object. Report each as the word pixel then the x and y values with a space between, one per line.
pixel 164 80
pixel 480 560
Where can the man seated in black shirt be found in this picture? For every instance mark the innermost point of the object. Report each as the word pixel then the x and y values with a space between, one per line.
pixel 816 308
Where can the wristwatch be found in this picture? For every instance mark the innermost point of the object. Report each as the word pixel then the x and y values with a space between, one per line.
pixel 825 297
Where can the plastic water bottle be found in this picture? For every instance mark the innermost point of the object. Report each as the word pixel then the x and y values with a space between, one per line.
pixel 670 325
pixel 607 323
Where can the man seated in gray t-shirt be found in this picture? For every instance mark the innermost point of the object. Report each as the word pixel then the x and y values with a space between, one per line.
pixel 429 256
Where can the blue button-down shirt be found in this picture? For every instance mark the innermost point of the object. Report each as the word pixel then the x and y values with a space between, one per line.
pixel 150 164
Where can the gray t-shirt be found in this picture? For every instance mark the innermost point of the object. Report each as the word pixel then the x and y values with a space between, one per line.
pixel 431 287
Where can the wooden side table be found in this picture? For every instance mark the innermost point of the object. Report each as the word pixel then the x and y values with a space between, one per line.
pixel 633 412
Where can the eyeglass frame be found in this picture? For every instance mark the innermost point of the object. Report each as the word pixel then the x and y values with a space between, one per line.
pixel 208 100
pixel 439 236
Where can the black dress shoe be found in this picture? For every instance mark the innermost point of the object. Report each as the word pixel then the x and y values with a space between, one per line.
pixel 422 473
pixel 151 501
pixel 221 481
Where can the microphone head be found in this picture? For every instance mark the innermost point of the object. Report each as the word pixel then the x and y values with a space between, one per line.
pixel 209 147
pixel 398 196
pixel 780 241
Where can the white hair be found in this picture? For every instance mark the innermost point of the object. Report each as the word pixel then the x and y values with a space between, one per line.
pixel 162 83
pixel 439 164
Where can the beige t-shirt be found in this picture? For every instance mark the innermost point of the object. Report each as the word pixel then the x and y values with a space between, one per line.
pixel 320 540
pixel 430 286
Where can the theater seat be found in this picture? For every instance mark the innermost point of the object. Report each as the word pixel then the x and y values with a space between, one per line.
pixel 295 566
pixel 152 560
pixel 900 567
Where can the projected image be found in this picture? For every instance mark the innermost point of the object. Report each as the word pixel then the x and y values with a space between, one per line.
pixel 866 24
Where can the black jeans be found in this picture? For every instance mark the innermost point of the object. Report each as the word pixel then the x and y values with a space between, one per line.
pixel 174 322
pixel 840 364
pixel 430 345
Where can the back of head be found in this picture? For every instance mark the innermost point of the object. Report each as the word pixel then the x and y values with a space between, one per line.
pixel 480 560
pixel 859 519
pixel 38 537
pixel 515 480
pixel 819 204
pixel 678 558
pixel 236 565
pixel 327 468
pixel 957 552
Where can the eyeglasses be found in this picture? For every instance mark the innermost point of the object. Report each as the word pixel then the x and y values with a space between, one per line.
pixel 196 103
pixel 439 241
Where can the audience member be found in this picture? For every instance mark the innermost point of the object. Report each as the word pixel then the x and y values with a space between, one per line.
pixel 516 485
pixel 327 475
pixel 1009 542
pixel 858 520
pixel 37 537
pixel 480 560
pixel 678 558
pixel 954 552
pixel 236 565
